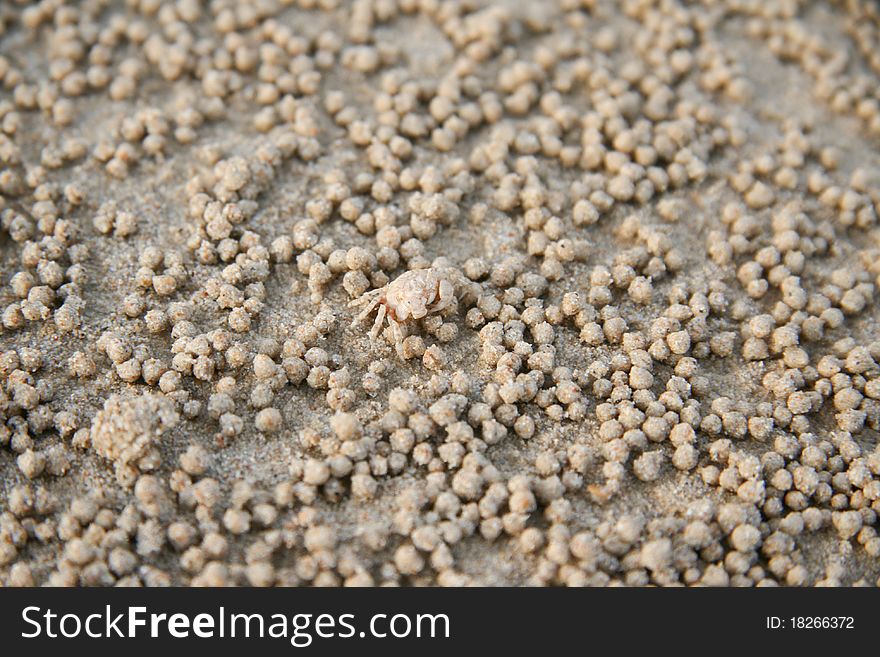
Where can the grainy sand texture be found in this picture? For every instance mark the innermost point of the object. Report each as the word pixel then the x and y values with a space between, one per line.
pixel 616 265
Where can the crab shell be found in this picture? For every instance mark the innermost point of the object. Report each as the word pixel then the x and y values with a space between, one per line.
pixel 415 294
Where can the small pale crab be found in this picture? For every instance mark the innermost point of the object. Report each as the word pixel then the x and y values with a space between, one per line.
pixel 411 296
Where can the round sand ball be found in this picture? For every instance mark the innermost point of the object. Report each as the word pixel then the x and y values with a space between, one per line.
pixel 316 472
pixel 656 555
pixel 236 173
pixel 679 342
pixel 647 466
pixel 195 460
pixel 847 523
pixel 268 420
pixel 408 560
pixel 346 426
pixel 685 457
pixel 237 521
pixel 745 538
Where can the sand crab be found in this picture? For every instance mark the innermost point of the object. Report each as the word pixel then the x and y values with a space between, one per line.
pixel 411 296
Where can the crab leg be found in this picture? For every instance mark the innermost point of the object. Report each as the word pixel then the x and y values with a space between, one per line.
pixel 398 333
pixel 366 311
pixel 364 297
pixel 377 325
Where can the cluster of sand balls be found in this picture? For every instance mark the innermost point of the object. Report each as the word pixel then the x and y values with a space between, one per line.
pixel 662 365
